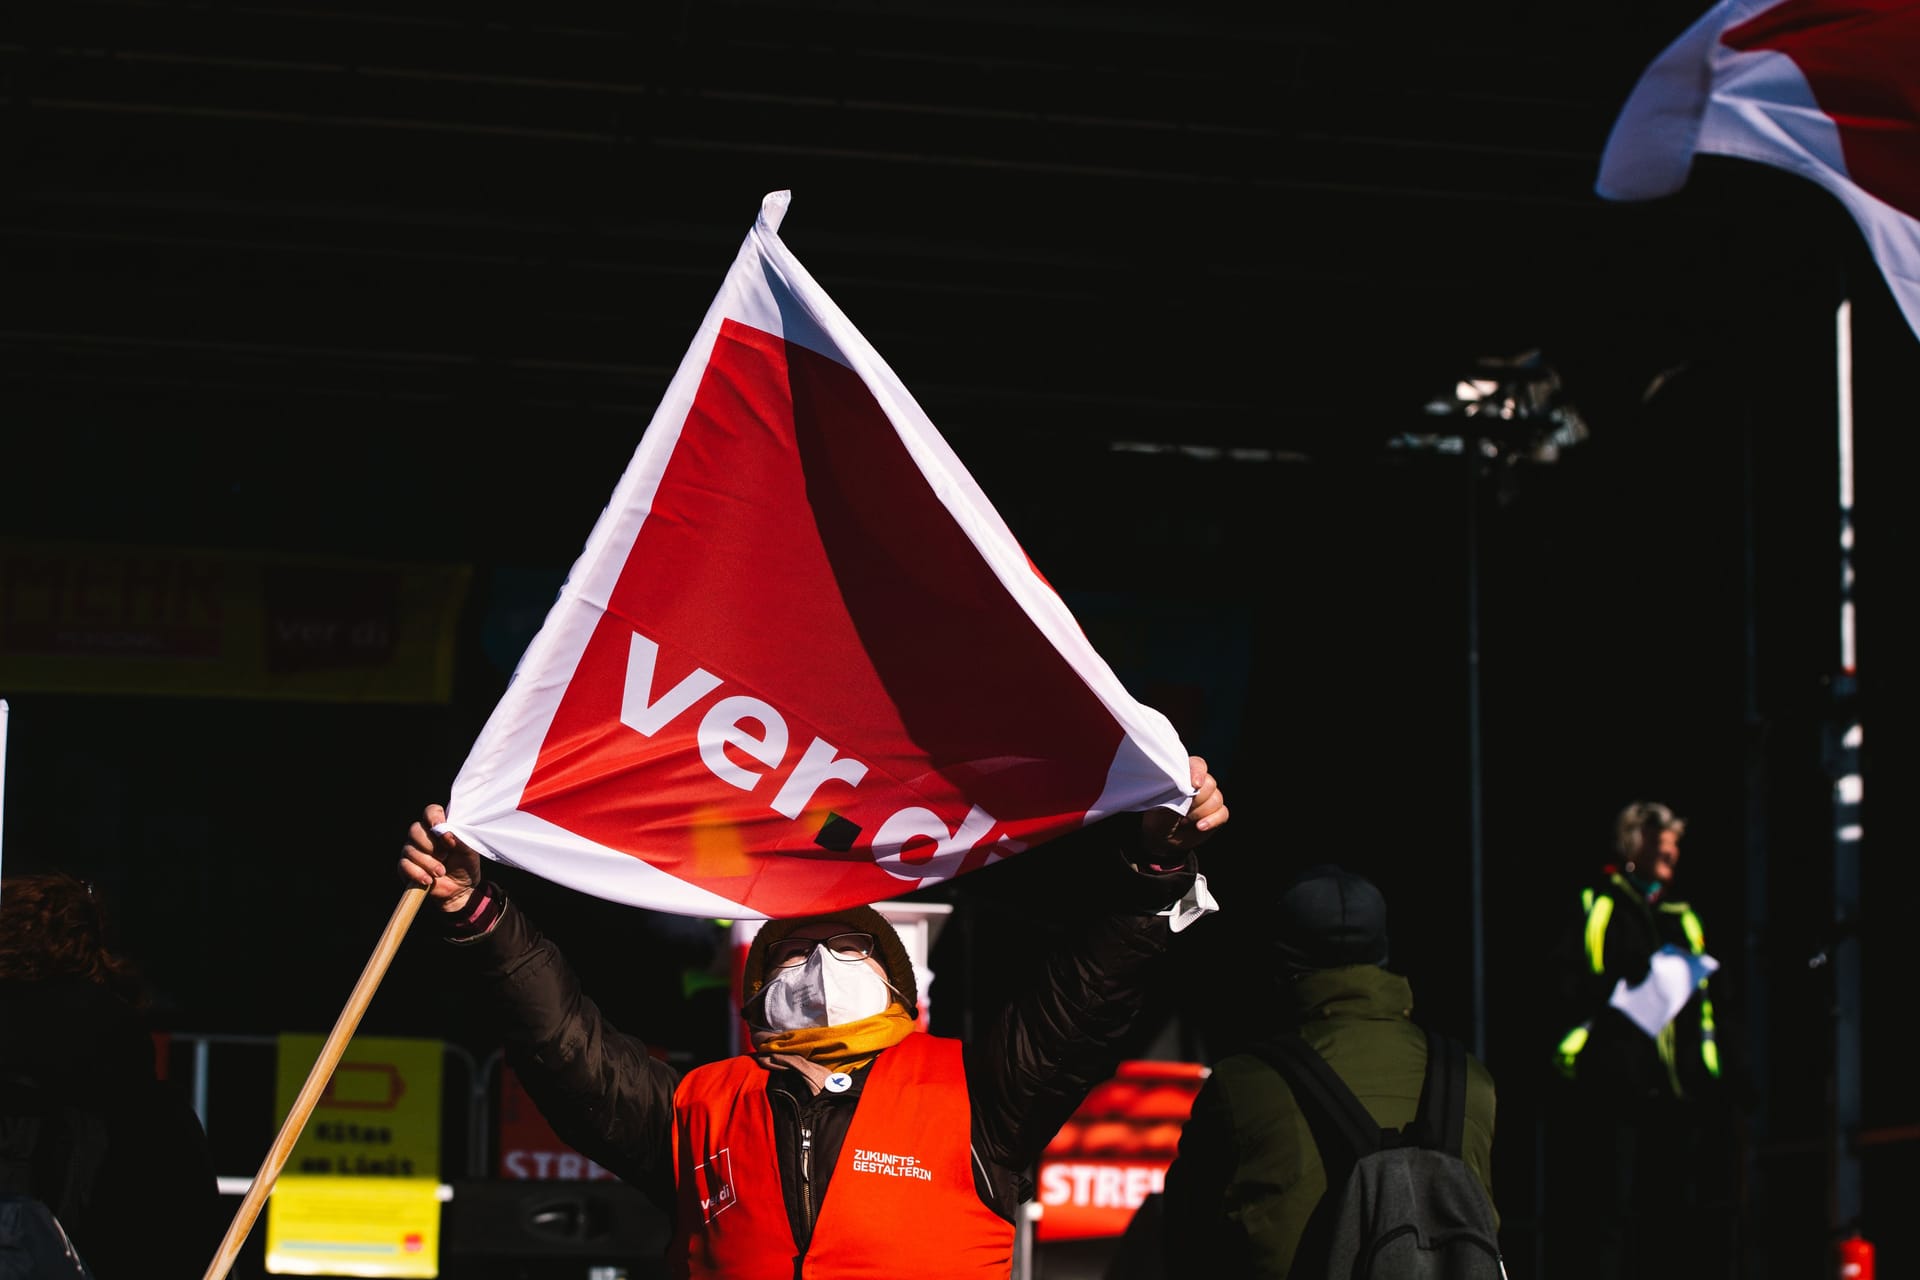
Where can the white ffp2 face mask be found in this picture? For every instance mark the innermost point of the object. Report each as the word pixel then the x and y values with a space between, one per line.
pixel 823 992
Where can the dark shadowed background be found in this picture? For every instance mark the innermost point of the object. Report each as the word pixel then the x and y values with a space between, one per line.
pixel 387 284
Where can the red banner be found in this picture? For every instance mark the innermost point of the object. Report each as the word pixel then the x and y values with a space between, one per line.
pixel 529 1149
pixel 1115 1150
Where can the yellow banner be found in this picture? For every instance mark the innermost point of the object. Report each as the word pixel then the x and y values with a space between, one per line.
pixel 359 1194
pixel 354 1227
pixel 105 618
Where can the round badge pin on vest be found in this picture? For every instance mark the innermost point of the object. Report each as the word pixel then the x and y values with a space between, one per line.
pixel 839 1082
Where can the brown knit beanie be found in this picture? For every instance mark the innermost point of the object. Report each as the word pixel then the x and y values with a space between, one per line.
pixel 887 949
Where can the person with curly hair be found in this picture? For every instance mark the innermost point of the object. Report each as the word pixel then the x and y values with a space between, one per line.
pixel 87 1128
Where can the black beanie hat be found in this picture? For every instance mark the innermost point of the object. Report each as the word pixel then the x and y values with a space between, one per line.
pixel 1328 917
pixel 887 949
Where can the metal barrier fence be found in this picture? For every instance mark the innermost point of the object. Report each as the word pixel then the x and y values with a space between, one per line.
pixel 493 1226
pixel 468 1092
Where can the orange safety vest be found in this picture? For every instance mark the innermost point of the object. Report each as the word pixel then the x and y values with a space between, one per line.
pixel 903 1190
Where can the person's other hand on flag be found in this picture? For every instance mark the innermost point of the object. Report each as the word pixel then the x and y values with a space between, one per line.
pixel 1166 836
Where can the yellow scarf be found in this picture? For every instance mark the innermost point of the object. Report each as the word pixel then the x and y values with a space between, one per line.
pixel 846 1047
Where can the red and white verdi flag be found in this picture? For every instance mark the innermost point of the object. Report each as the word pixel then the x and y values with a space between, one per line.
pixel 1829 89
pixel 801 664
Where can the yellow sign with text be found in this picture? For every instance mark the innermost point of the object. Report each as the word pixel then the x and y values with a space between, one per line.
pixel 360 1191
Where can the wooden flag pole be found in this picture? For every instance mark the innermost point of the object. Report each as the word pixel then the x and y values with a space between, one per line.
pixel 262 1185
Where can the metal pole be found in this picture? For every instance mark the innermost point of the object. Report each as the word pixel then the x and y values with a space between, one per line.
pixel 201 1059
pixel 1754 1127
pixel 1844 758
pixel 1470 450
pixel 3 777
pixel 1024 1225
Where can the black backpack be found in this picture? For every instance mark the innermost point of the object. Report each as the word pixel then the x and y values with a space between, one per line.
pixel 1401 1204
pixel 51 1150
pixel 32 1244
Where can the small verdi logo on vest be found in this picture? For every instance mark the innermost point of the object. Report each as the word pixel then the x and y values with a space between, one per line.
pixel 716 1184
pixel 890 1165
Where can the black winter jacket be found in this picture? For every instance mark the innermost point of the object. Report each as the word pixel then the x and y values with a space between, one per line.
pixel 1248 1177
pixel 1035 1060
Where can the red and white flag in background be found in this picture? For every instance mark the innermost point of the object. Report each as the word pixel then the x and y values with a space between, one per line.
pixel 1829 89
pixel 801 664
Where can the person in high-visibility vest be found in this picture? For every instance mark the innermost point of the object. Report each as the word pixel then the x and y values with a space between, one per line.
pixel 1637 1066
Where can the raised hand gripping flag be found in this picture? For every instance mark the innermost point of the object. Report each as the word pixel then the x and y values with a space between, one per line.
pixel 1828 89
pixel 801 664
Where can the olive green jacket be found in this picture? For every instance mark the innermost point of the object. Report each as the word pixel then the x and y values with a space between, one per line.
pixel 1248 1175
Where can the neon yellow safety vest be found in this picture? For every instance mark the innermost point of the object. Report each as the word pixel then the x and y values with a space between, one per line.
pixel 1598 911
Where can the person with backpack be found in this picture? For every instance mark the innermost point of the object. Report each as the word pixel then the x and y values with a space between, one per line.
pixel 1348 1141
pixel 104 1169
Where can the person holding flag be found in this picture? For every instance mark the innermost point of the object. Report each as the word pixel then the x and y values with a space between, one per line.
pixel 912 1133
pixel 802 666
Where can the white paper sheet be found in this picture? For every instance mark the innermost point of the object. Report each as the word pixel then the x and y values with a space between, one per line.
pixel 1671 980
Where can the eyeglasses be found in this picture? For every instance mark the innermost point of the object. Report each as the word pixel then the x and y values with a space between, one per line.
pixel 841 946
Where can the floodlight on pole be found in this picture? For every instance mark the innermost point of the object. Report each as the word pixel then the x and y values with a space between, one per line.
pixel 1505 408
pixel 1505 411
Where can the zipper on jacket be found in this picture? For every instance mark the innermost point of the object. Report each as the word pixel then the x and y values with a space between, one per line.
pixel 806 1176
